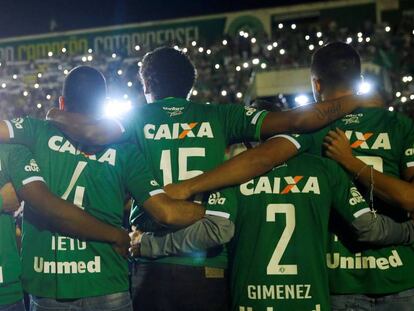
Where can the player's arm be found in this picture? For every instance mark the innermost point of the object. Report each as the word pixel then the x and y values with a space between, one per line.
pixel 69 219
pixel 366 225
pixel 4 131
pixel 314 116
pixel 390 189
pixel 209 232
pixel 240 169
pixel 86 130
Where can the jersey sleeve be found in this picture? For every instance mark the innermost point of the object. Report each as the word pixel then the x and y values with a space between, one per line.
pixel 222 203
pixel 21 167
pixel 22 130
pixel 139 180
pixel 347 200
pixel 302 142
pixel 241 123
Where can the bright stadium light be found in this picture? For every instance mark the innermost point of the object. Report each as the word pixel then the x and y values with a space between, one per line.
pixel 217 66
pixel 302 100
pixel 223 93
pixel 387 28
pixel 391 108
pixel 270 47
pixel 263 65
pixel 307 37
pixel 398 94
pixel 90 58
pixel 84 58
pixel 185 50
pixel 39 105
pixel 275 44
pixel 129 83
pixel 311 47
pixel 39 75
pixel 403 99
pixel 319 34
pixel 224 42
pixel 119 72
pixel 367 39
pixel 404 79
pixel 63 50
pixel 14 77
pixel 280 26
pixel 36 85
pixel 116 108
pixel 3 85
pixel 208 51
pixel 253 40
pixel 255 61
pixel 65 71
pixel 364 87
pixel 245 65
pixel 50 54
pixel 25 93
pixel 320 42
pixel 90 51
pixel 293 26
pixel 137 48
pixel 359 34
pixel 246 35
pixel 113 55
pixel 238 68
pixel 139 64
pixel 176 47
pixel 201 49
pixel 282 51
pixel 360 40
pixel 239 95
pixel 194 43
pixel 349 40
pixel 412 96
pixel 126 96
pixel 241 33
pixel 195 92
pixel 409 78
pixel 48 96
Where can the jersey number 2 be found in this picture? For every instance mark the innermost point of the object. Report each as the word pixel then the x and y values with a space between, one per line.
pixel 274 267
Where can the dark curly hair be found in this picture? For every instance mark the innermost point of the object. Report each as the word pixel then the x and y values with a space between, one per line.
pixel 168 72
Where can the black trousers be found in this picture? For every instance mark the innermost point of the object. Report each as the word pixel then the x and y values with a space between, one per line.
pixel 165 287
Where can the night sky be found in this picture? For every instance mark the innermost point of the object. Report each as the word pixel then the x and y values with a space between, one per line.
pixel 24 17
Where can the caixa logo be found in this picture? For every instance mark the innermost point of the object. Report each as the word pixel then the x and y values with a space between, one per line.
pixel 216 199
pixel 18 123
pixel 32 167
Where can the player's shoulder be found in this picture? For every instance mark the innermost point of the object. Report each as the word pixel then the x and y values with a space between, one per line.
pixel 315 163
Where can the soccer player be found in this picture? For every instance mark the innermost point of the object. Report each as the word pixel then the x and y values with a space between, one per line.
pixel 361 276
pixel 181 139
pixel 63 272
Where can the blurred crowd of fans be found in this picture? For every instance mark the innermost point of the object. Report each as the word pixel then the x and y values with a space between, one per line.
pixel 225 68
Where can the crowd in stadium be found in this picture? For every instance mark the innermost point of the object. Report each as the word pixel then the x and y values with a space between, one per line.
pixel 224 68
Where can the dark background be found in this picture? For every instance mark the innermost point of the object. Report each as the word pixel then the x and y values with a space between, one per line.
pixel 24 17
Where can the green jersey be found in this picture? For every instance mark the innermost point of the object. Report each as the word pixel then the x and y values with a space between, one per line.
pixel 182 139
pixel 279 248
pixel 18 167
pixel 384 140
pixel 62 267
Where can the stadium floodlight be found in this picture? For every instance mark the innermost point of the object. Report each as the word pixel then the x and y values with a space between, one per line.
pixel 208 51
pixel 113 55
pixel 307 37
pixel 63 50
pixel 245 65
pixel 241 33
pixel 126 96
pixel 185 50
pixel 90 58
pixel 217 66
pixel 176 47
pixel 391 108
pixel 39 105
pixel 224 42
pixel 398 94
pixel 320 42
pixel 137 48
pixel 3 85
pixel 14 77
pixel 319 34
pixel 246 35
pixel 293 26
pixel 367 39
pixel 36 85
pixel 412 96
pixel 311 47
pixel 25 93
pixel 195 92
pixel 387 28
pixel 270 47
pixel 359 34
pixel 207 103
pixel 238 68
pixel 116 108
pixel 403 99
pixel 84 58
pixel 48 96
pixel 65 71
pixel 90 51
pixel 282 51
pixel 280 26
pixel 129 83
pixel 223 93
pixel 253 40
pixel 274 44
pixel 302 100
pixel 39 75
pixel 239 95
pixel 194 43
pixel 364 87
pixel 201 49
pixel 139 64
pixel 255 61
pixel 263 65
pixel 409 78
pixel 119 72
pixel 50 54
pixel 404 79
pixel 360 40
pixel 413 32
pixel 349 40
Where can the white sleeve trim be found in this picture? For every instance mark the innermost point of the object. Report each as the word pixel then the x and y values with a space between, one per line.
pixel 155 192
pixel 289 138
pixel 10 128
pixel 217 213
pixel 362 212
pixel 32 179
pixel 256 117
pixel 410 164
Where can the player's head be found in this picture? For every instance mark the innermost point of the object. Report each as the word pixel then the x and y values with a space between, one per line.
pixel 336 67
pixel 84 91
pixel 167 72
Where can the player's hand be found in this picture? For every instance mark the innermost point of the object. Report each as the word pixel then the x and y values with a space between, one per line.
pixel 371 100
pixel 337 146
pixel 10 200
pixel 135 247
pixel 178 191
pixel 122 242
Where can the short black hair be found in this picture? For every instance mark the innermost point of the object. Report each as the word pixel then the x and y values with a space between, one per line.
pixel 84 90
pixel 168 72
pixel 337 65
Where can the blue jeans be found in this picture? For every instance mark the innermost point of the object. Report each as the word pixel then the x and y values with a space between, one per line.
pixel 18 306
pixel 403 301
pixel 112 302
